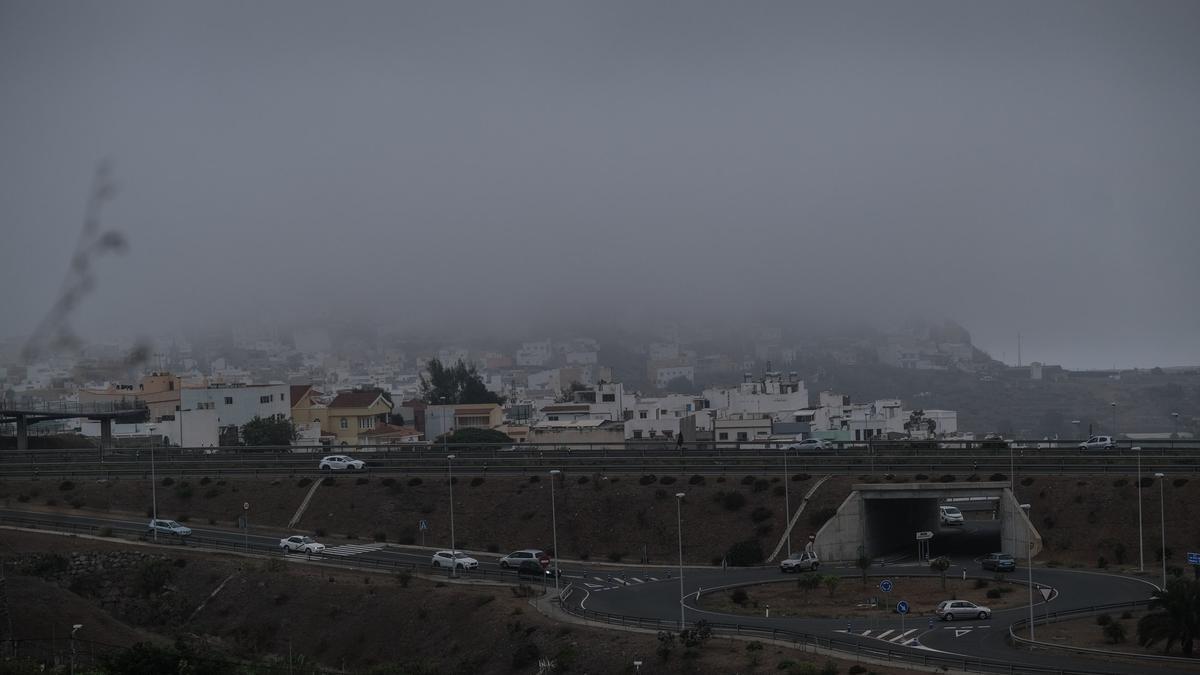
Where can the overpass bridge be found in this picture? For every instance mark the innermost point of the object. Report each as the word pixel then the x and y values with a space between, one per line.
pixel 25 413
pixel 880 518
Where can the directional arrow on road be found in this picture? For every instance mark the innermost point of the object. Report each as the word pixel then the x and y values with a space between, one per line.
pixel 958 632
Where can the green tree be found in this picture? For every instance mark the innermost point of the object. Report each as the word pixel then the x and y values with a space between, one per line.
pixel 1114 632
pixel 831 583
pixel 809 581
pixel 863 563
pixel 457 384
pixel 1174 616
pixel 940 564
pixel 268 431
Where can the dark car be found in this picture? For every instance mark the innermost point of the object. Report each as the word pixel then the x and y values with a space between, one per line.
pixel 999 562
pixel 533 568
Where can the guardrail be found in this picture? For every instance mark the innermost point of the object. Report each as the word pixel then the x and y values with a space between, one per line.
pixel 1067 615
pixel 811 642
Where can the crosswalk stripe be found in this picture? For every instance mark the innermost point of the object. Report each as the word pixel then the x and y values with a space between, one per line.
pixel 353 549
pixel 652 578
pixel 885 634
pixel 903 635
pixel 635 580
pixel 598 578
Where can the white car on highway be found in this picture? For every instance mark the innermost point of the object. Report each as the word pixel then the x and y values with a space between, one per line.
pixel 168 527
pixel 1098 443
pixel 811 444
pixel 456 559
pixel 299 544
pixel 341 463
pixel 799 561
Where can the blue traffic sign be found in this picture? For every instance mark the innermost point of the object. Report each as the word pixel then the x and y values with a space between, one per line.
pixel 1194 558
pixel 423 525
pixel 902 607
pixel 886 585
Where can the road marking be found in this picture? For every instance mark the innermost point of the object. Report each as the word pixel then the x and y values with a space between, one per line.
pixel 652 578
pixel 959 632
pixel 903 635
pixel 866 633
pixel 592 585
pixel 599 578
pixel 353 549
pixel 635 580
pixel 885 633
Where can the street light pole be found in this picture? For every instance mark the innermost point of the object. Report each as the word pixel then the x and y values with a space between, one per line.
pixel 1162 525
pixel 679 521
pixel 1141 541
pixel 453 551
pixel 75 628
pixel 1114 426
pixel 1029 547
pixel 153 485
pixel 554 473
pixel 787 503
pixel 1175 436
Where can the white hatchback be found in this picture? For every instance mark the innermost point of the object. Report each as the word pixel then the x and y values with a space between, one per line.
pixel 950 610
pixel 950 515
pixel 455 559
pixel 301 544
pixel 341 463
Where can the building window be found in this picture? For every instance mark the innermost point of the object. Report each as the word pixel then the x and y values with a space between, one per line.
pixel 228 400
pixel 264 399
pixel 724 436
pixel 609 398
pixel 637 433
pixel 366 423
pixel 344 424
pixel 642 414
pixel 741 436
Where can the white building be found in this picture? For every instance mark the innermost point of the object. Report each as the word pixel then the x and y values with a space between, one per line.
pixel 237 404
pixel 774 395
pixel 534 353
pixel 659 417
pixel 663 376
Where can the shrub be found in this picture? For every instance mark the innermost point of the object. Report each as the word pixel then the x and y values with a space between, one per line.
pixel 993 593
pixel 1103 620
pixel 1101 562
pixel 168 481
pixel 414 481
pixel 153 575
pixel 973 478
pixel 1179 482
pixel 66 485
pixel 616 556
pixel 78 503
pixel 477 481
pixel 211 492
pixel 981 583
pixel 1147 481
pixel 947 478
pixel 779 491
pixel 997 477
pixel 760 514
pixel 183 491
pixel 748 480
pixel 720 479
pixel 1119 553
pixel 1027 481
pixel 1127 615
pixel 380 536
pixel 648 479
pixel 304 482
pixel 205 481
pixel 327 481
pixel 403 577
pixel 1114 632
pixel 732 501
pixel 526 655
pixel 761 485
pixel 697 479
pixel 535 479
pixel 739 596
pixel 582 480
pixel 388 482
pixel 745 553
pixel 666 480
pixel 660 493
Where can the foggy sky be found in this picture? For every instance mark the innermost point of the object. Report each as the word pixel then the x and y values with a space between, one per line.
pixel 1019 167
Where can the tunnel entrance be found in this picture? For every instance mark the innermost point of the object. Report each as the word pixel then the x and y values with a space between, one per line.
pixel 882 520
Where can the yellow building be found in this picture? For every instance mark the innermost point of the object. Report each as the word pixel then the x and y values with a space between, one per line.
pixel 353 412
pixel 159 391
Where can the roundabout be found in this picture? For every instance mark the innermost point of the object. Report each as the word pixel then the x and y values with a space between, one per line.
pixel 918 639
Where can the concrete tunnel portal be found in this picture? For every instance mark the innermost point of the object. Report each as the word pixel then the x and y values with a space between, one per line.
pixel 883 520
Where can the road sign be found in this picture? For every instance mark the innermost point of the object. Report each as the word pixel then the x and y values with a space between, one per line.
pixel 245 506
pixel 902 607
pixel 1046 591
pixel 922 536
pixel 423 525
pixel 886 585
pixel 1194 558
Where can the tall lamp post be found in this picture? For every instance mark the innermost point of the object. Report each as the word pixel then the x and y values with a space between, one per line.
pixel 1114 426
pixel 787 503
pixel 1029 547
pixel 1076 423
pixel 1175 436
pixel 74 629
pixel 554 473
pixel 153 484
pixel 1141 541
pixel 453 551
pixel 679 521
pixel 1162 525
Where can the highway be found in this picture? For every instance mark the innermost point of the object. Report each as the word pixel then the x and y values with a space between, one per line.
pixel 650 597
pixel 422 460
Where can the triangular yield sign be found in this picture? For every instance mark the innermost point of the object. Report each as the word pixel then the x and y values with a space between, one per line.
pixel 959 632
pixel 1046 592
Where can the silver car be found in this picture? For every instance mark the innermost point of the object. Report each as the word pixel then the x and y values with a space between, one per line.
pixel 950 610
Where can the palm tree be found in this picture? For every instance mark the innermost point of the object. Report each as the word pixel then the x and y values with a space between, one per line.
pixel 1177 619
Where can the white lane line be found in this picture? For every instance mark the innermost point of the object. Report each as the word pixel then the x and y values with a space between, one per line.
pixel 635 580
pixel 885 634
